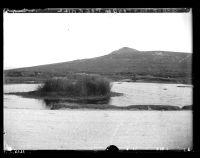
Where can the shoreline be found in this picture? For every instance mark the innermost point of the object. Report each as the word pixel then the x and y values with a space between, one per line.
pixel 95 102
pixel 55 97
pixel 121 108
pixel 160 82
pixel 141 79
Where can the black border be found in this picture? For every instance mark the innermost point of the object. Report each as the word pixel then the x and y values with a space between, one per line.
pixel 195 72
pixel 98 10
pixel 196 137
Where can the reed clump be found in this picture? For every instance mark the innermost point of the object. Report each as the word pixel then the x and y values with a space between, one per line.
pixel 80 85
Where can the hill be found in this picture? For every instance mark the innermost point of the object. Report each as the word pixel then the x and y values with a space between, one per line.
pixel 125 61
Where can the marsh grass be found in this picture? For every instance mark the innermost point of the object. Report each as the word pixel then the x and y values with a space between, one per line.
pixel 80 85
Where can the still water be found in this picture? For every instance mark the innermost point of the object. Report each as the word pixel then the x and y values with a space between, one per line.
pixel 29 124
pixel 133 94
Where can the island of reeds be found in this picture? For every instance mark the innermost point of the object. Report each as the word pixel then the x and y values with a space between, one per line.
pixel 82 88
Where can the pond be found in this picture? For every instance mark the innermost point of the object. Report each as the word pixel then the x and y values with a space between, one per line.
pixel 30 124
pixel 133 94
pixel 152 94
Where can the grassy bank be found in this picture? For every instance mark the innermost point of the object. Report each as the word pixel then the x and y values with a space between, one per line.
pixel 20 80
pixel 34 78
pixel 56 105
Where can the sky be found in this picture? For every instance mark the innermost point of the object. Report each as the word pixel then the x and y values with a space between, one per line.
pixel 32 39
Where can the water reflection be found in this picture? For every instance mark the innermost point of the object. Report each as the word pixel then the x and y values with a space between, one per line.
pixel 134 94
pixel 53 104
pixel 50 104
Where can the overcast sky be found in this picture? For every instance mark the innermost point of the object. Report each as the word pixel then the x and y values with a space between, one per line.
pixel 42 38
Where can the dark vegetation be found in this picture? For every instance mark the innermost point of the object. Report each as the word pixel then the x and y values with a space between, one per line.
pixel 81 85
pixel 187 107
pixel 55 97
pixel 125 63
pixel 79 88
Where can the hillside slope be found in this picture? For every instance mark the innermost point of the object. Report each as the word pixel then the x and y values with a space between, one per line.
pixel 125 60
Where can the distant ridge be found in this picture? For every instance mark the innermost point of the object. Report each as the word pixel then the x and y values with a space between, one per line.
pixel 125 50
pixel 123 60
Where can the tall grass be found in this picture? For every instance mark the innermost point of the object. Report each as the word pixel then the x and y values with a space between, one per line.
pixel 80 85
